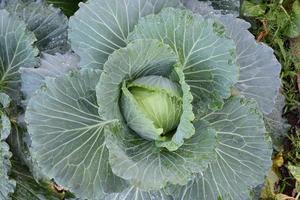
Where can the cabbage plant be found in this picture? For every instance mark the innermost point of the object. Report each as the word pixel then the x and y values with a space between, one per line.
pixel 154 101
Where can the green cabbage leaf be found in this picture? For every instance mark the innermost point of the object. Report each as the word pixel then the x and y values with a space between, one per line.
pixel 7 185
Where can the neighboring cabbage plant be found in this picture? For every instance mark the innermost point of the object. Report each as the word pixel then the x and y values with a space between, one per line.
pixel 160 103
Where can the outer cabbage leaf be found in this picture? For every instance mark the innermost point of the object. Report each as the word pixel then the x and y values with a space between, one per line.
pixel 150 167
pixel 2 3
pixel 48 24
pixel 101 26
pixel 6 185
pixel 276 125
pixel 259 68
pixel 203 8
pixel 243 155
pixel 51 66
pixel 134 193
pixel 5 100
pixel 20 143
pixel 15 51
pixel 206 55
pixel 206 7
pixel 132 157
pixel 67 135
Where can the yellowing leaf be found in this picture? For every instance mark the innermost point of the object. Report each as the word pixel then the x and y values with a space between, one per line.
pixel 278 160
pixel 283 197
pixel 268 190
